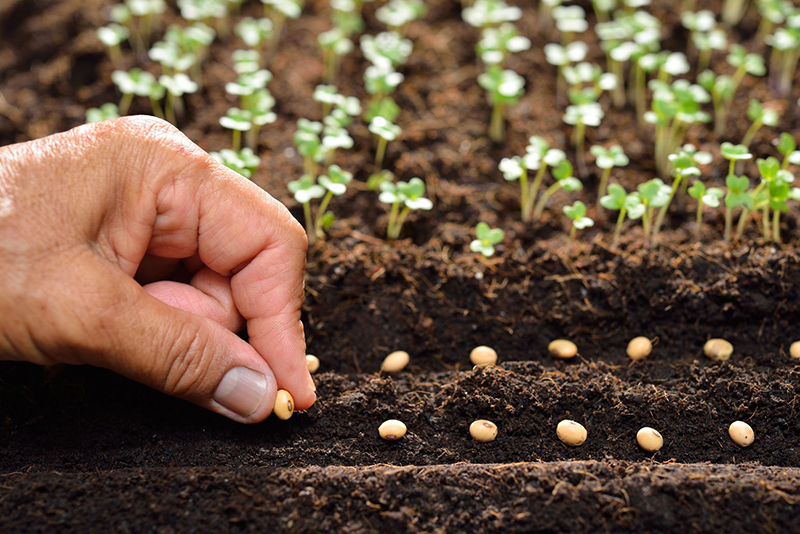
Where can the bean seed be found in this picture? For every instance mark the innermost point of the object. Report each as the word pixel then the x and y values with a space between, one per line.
pixel 284 405
pixel 562 348
pixel 483 356
pixel 649 439
pixel 794 350
pixel 312 362
pixel 483 430
pixel 392 430
pixel 639 348
pixel 395 362
pixel 741 433
pixel 571 433
pixel 718 349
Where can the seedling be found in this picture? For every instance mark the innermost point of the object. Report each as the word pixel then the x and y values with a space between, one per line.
pixel 113 36
pixel 487 238
pixel 504 88
pixel 653 194
pixel 103 113
pixel 736 197
pixel 561 56
pixel 603 9
pixel 137 82
pixel 238 121
pixel 380 82
pixel 335 184
pixel 721 89
pixel 580 116
pixel 246 61
pixel 497 44
pixel 347 16
pixel 787 147
pixel 328 96
pixel 564 180
pixel 399 14
pixel 771 194
pixel 627 204
pixel 734 154
pixel 334 44
pixel 245 162
pixel 280 11
pixel 577 214
pixel 176 86
pixel 305 190
pixel 247 85
pixel 538 157
pixel 785 43
pixel 259 105
pixel 387 49
pixel 705 197
pixel 606 159
pixel 144 15
pixel 487 13
pixel 705 35
pixel 569 21
pixel 760 116
pixel 171 58
pixel 405 195
pixel 309 145
pixel 744 64
pixel 385 131
pixel 256 33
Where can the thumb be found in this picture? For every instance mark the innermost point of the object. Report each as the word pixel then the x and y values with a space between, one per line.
pixel 171 350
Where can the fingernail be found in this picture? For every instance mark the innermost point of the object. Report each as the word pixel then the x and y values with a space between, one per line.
pixel 241 390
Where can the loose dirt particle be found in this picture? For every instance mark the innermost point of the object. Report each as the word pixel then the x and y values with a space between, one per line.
pixel 284 405
pixel 483 356
pixel 649 439
pixel 395 362
pixel 562 348
pixel 483 430
pixel 718 349
pixel 571 433
pixel 392 430
pixel 794 350
pixel 741 433
pixel 639 348
pixel 312 362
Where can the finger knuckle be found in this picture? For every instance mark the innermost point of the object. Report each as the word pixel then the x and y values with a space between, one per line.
pixel 186 362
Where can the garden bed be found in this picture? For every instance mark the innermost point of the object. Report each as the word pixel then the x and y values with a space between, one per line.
pixel 79 444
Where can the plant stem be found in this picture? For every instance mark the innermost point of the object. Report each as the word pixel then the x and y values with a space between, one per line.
pixel 125 103
pixel 776 226
pixel 312 237
pixel 237 140
pixel 392 220
pixel 699 220
pixel 401 221
pixel 579 139
pixel 523 192
pixel 618 229
pixel 728 222
pixel 765 222
pixel 601 191
pixel 742 224
pixel 663 211
pixel 497 125
pixel 169 109
pixel 572 232
pixel 535 186
pixel 751 132
pixel 321 214
pixel 252 137
pixel 549 192
pixel 381 151
pixel 156 108
pixel 703 59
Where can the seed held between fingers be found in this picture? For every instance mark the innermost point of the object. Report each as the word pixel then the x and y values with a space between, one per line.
pixel 649 439
pixel 392 430
pixel 571 433
pixel 284 405
pixel 483 356
pixel 794 350
pixel 562 348
pixel 741 433
pixel 718 349
pixel 312 362
pixel 395 362
pixel 483 430
pixel 639 348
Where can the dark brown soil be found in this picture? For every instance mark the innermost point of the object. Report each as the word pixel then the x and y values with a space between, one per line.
pixel 84 450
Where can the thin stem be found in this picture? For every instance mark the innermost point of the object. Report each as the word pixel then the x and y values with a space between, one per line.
pixel 728 223
pixel 312 237
pixel 618 229
pixel 662 213
pixel 497 125
pixel 156 108
pixel 169 109
pixel 601 191
pixel 765 222
pixel 699 220
pixel 742 224
pixel 125 103
pixel 580 138
pixel 549 192
pixel 535 186
pixel 572 231
pixel 401 220
pixel 751 132
pixel 381 151
pixel 252 137
pixel 392 220
pixel 776 226
pixel 237 140
pixel 523 191
pixel 323 206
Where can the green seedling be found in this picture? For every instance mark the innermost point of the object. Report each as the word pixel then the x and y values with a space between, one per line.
pixel 335 184
pixel 211 12
pixel 259 105
pixel 504 88
pixel 577 214
pixel 137 82
pixel 247 85
pixel 171 58
pixel 103 113
pixel 721 89
pixel 405 195
pixel 238 121
pixel 335 134
pixel 141 17
pixel 773 13
pixel 771 194
pixel 489 13
pixel 606 159
pixel 603 9
pixel 387 49
pixel 256 33
pixel 737 196
pixel 328 96
pixel 376 179
pixel 279 11
pixel 176 86
pixel 785 43
pixel 787 147
pixel 744 64
pixel 399 14
pixel 705 197
pixel 334 45
pixel 569 21
pixel 760 116
pixel 497 44
pixel 245 162
pixel 653 194
pixel 347 16
pixel 562 56
pixel 629 205
pixel 309 145
pixel 385 131
pixel 734 154
pixel 113 36
pixel 380 82
pixel 305 190
pixel 580 116
pixel 246 61
pixel 705 36
pixel 564 180
pixel 538 157
pixel 487 238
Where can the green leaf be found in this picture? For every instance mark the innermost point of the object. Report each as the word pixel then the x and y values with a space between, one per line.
pixel 697 190
pixel 735 152
pixel 576 211
pixel 615 199
pixel 327 220
pixel 786 144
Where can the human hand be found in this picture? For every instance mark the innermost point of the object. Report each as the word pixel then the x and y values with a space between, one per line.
pixel 95 225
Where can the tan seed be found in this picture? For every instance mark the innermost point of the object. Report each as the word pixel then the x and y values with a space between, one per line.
pixel 562 348
pixel 312 362
pixel 483 356
pixel 284 405
pixel 649 439
pixel 395 362
pixel 718 349
pixel 794 350
pixel 639 348
pixel 571 433
pixel 483 430
pixel 392 430
pixel 741 433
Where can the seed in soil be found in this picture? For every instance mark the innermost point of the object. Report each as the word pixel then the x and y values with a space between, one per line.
pixel 395 362
pixel 483 356
pixel 483 430
pixel 718 349
pixel 649 439
pixel 562 348
pixel 639 348
pixel 312 362
pixel 392 430
pixel 571 433
pixel 284 405
pixel 741 433
pixel 794 350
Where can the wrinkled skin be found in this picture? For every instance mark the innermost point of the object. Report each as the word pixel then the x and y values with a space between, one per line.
pixel 123 245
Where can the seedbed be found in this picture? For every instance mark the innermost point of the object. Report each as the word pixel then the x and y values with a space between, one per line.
pixel 84 450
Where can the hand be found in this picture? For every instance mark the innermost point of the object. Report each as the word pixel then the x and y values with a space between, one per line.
pixel 91 218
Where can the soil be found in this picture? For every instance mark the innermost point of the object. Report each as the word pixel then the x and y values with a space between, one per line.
pixel 84 450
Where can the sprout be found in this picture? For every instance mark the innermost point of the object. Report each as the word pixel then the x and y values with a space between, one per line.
pixel 237 120
pixel 334 44
pixel 207 10
pixel 245 162
pixel 246 61
pixel 409 195
pixel 787 147
pixel 347 15
pixel 771 194
pixel 569 20
pixel 538 157
pixel 259 105
pixel 380 82
pixel 398 14
pixel 606 159
pixel 487 238
pixel 561 56
pixel 305 190
pixel 112 36
pixel 505 87
pixel 745 63
pixel 137 82
pixel 705 197
pixel 309 145
pixel 387 49
pixel 721 89
pixel 577 214
pixel 254 32
pixel 653 194
pixel 103 113
pixel 141 16
pixel 497 43
pixel 603 9
pixel 176 86
pixel 733 11
pixel 736 197
pixel 171 58
pixel 327 95
pixel 335 184
pixel 627 204
pixel 564 180
pixel 734 154
pixel 486 13
pixel 386 131
pixel 760 116
pixel 785 43
pixel 580 115
pixel 704 35
pixel 279 11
